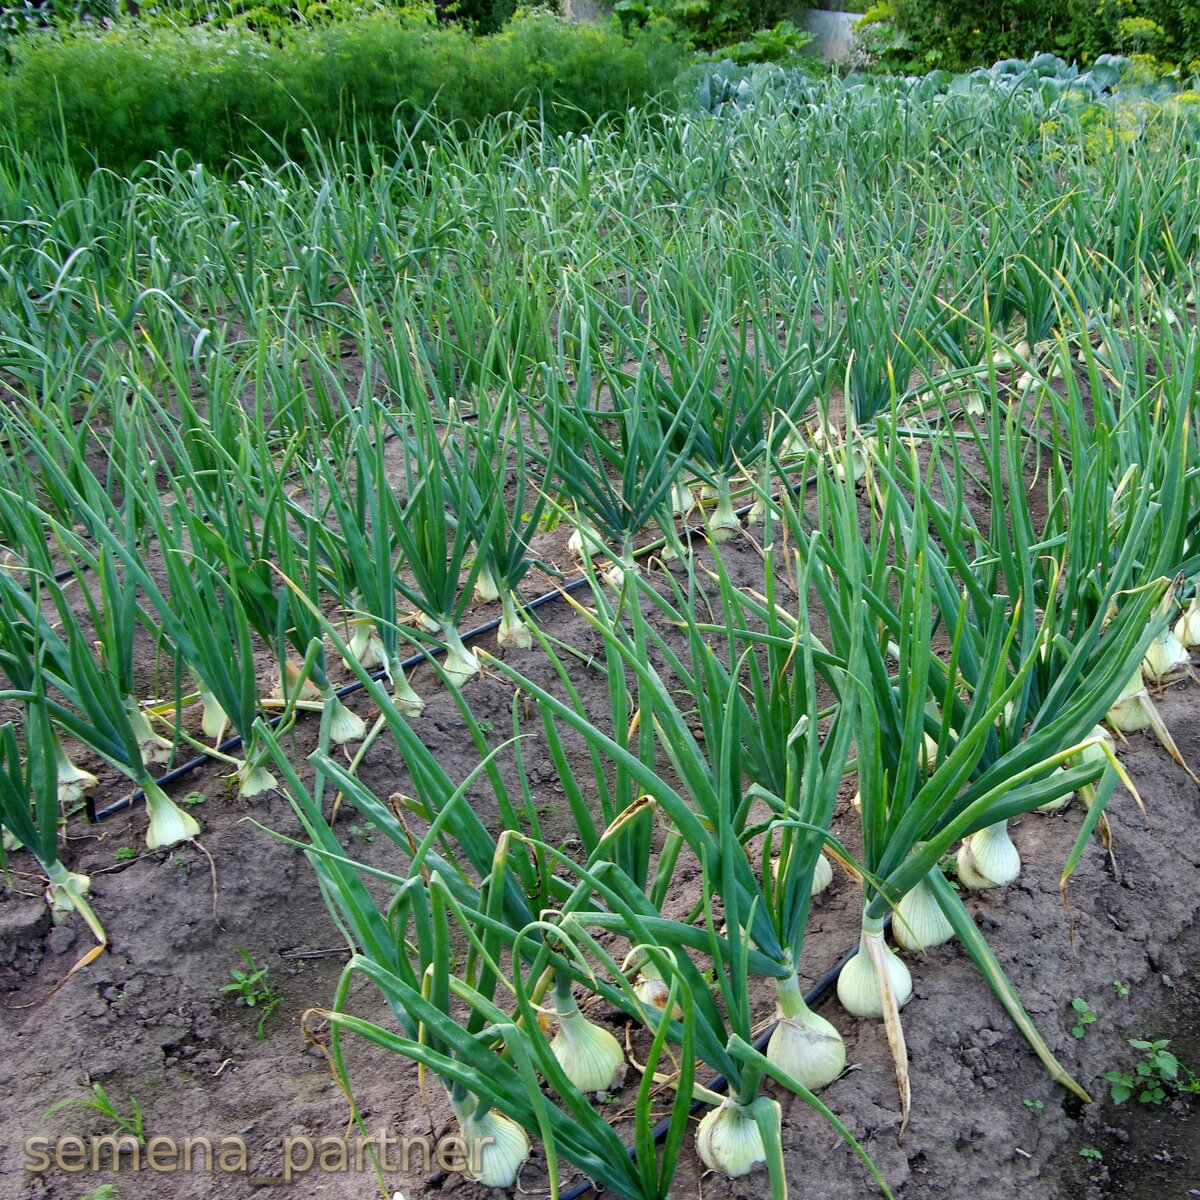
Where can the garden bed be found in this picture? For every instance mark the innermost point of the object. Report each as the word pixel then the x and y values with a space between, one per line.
pixel 880 304
pixel 149 1020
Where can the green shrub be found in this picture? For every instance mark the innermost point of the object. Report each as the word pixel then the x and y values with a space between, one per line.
pixel 19 17
pixel 923 35
pixel 123 95
pixel 706 24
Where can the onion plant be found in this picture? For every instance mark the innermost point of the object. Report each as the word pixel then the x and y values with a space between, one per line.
pixel 617 467
pixel 436 529
pixel 492 453
pixel 763 922
pixel 913 811
pixel 29 812
pixel 546 957
pixel 84 699
pixel 368 512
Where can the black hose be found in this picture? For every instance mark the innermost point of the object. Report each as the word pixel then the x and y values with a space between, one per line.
pixel 232 743
pixel 194 764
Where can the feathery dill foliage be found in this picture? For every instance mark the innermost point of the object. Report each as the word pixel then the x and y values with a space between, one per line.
pixel 118 96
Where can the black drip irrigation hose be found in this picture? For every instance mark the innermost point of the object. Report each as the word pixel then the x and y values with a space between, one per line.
pixel 719 1083
pixel 175 774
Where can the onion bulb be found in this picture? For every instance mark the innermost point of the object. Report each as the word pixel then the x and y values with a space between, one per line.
pixel 1187 628
pixel 729 1140
pixel 723 523
pixel 65 888
pixel 988 858
pixel 1128 713
pixel 1094 752
pixel 804 1044
pixel 169 824
pixel 919 922
pixel 682 500
pixel 858 987
pixel 584 535
pixel 213 718
pixel 856 457
pixel 344 726
pixel 513 633
pixel 155 749
pixel 822 875
pixel 253 778
pixel 1167 658
pixel 497 1147
pixel 591 1058
pixel 461 665
pixel 366 646
pixel 486 588
pixel 73 781
pixel 651 989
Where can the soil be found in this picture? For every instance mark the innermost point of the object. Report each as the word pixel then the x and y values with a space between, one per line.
pixel 151 1020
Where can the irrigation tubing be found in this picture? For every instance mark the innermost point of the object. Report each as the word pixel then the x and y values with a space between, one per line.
pixel 175 774
pixel 232 743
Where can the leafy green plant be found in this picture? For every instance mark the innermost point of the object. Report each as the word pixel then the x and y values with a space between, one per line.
pixel 1156 1074
pixel 254 989
pixel 126 96
pixel 1091 1154
pixel 102 1191
pixel 959 34
pixel 705 24
pixel 781 42
pixel 1083 1016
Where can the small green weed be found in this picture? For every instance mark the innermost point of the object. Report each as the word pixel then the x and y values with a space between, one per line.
pixel 100 1102
pixel 1034 1105
pixel 103 1191
pixel 1120 989
pixel 1091 1154
pixel 254 989
pixel 1155 1075
pixel 125 854
pixel 1083 1016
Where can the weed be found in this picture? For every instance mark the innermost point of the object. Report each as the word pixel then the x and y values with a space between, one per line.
pixel 102 1191
pixel 1083 1016
pixel 254 989
pixel 1091 1154
pixel 101 1103
pixel 125 854
pixel 1120 989
pixel 1034 1105
pixel 1155 1075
